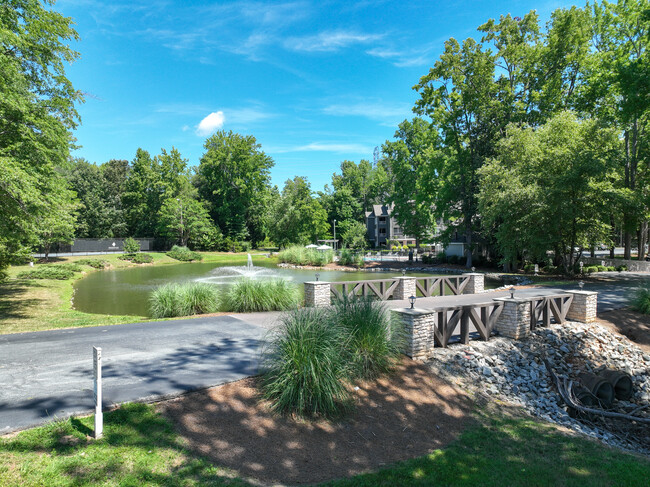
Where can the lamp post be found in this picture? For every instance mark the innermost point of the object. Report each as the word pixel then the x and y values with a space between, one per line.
pixel 412 301
pixel 317 276
pixel 512 292
pixel 334 234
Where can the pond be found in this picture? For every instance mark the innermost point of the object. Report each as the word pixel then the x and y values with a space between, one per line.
pixel 126 291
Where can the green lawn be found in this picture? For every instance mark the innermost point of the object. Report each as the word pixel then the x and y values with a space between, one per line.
pixel 140 448
pixel 35 305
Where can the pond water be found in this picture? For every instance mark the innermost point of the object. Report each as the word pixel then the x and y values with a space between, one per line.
pixel 126 291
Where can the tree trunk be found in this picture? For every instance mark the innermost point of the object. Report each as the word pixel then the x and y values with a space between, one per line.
pixel 627 242
pixel 642 235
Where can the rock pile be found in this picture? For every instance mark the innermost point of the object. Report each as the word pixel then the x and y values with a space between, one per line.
pixel 514 371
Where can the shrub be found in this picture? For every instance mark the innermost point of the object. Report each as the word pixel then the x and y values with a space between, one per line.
pixel 142 259
pixel 621 268
pixel 95 263
pixel 184 254
pixel 529 268
pixel 304 371
pixel 359 261
pixel 248 295
pixel 48 272
pixel 602 268
pixel 186 299
pixel 131 246
pixel 299 255
pixel 550 269
pixel 641 300
pixel 374 340
pixel 611 268
pixel 347 257
pixel 590 269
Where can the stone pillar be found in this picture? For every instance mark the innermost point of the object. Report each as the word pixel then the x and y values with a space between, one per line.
pixel 317 294
pixel 475 284
pixel 418 331
pixel 514 321
pixel 583 307
pixel 405 288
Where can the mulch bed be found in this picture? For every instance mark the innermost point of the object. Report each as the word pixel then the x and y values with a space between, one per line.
pixel 402 416
pixel 630 323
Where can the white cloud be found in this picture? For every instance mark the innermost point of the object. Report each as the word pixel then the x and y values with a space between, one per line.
pixel 328 147
pixel 209 124
pixel 329 41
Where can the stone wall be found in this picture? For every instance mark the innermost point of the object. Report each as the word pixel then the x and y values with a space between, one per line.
pixel 418 329
pixel 476 283
pixel 514 321
pixel 632 265
pixel 405 288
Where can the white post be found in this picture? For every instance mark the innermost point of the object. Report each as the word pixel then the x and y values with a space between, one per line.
pixel 97 391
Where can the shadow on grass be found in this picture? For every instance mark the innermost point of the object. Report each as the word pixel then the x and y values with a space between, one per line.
pixel 12 305
pixel 138 447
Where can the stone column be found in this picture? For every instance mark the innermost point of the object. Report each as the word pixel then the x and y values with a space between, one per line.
pixel 317 294
pixel 514 321
pixel 405 288
pixel 475 284
pixel 583 307
pixel 418 330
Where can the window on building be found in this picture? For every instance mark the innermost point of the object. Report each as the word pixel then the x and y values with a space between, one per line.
pixel 382 231
pixel 382 219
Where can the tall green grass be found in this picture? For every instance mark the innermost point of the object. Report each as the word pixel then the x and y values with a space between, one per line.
pixel 375 340
pixel 300 255
pixel 304 369
pixel 170 300
pixel 315 353
pixel 641 300
pixel 249 295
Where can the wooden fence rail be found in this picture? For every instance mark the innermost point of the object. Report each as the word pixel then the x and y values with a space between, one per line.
pixel 428 286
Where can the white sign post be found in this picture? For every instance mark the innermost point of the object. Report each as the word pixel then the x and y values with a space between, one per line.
pixel 97 391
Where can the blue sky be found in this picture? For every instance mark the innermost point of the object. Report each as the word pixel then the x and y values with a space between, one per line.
pixel 315 82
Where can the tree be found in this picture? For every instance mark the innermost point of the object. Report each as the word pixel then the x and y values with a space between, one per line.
pixel 549 189
pixel 412 161
pixel 37 115
pixel 232 178
pixel 299 217
pixel 57 225
pixel 142 196
pixel 184 219
pixel 353 234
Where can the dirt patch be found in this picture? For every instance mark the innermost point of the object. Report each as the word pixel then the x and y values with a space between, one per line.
pixel 405 415
pixel 630 323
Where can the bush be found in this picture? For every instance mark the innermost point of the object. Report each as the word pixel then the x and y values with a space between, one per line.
pixel 304 371
pixel 142 259
pixel 95 263
pixel 184 254
pixel 550 269
pixel 347 257
pixel 641 300
pixel 590 269
pixel 299 255
pixel 57 271
pixel 187 299
pixel 621 268
pixel 131 246
pixel 611 268
pixel 248 295
pixel 374 340
pixel 602 268
pixel 529 268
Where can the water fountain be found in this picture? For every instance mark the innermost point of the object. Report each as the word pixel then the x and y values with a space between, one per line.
pixel 225 275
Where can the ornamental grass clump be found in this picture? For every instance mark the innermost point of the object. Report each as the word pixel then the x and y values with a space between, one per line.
pixel 170 300
pixel 375 340
pixel 304 370
pixel 299 255
pixel 641 300
pixel 249 295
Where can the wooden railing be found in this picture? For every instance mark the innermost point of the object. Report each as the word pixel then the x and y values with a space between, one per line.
pixel 448 319
pixel 438 285
pixel 380 288
pixel 543 307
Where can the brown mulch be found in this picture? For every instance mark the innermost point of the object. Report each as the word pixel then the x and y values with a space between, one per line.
pixel 630 323
pixel 402 416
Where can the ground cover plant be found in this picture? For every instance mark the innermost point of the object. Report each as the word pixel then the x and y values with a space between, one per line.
pixel 139 258
pixel 192 298
pixel 299 255
pixel 94 263
pixel 51 271
pixel 184 254
pixel 249 295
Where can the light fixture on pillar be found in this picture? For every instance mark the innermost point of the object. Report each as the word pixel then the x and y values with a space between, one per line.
pixel 412 301
pixel 581 285
pixel 473 269
pixel 512 292
pixel 317 276
pixel 403 272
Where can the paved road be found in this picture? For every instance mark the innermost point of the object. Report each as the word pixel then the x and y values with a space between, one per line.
pixel 49 374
